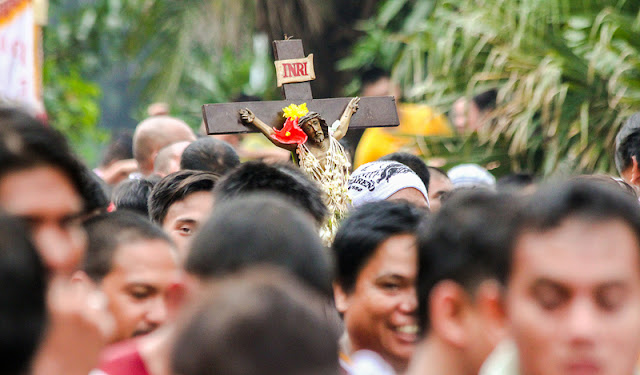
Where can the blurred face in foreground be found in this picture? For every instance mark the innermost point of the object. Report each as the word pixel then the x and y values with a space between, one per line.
pixel 47 200
pixel 379 313
pixel 573 299
pixel 136 287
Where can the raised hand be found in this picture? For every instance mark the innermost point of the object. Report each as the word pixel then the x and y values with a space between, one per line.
pixel 247 116
pixel 353 104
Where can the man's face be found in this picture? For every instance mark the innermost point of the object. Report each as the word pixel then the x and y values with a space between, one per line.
pixel 439 186
pixel 136 286
pixel 185 217
pixel 313 130
pixel 411 195
pixel 466 116
pixel 380 313
pixel 52 207
pixel 573 299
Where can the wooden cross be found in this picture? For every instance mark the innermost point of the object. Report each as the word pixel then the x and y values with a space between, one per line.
pixel 372 112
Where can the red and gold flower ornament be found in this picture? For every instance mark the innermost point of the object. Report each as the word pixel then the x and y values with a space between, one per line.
pixel 291 133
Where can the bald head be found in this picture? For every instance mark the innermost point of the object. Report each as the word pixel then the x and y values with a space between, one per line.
pixel 155 133
pixel 168 159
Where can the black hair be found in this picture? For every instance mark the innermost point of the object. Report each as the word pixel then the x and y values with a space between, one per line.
pixel 467 242
pixel 259 229
pixel 416 164
pixel 23 284
pixel 373 75
pixel 176 187
pixel 362 232
pixel 27 143
pixel 120 148
pixel 106 232
pixel 514 181
pixel 280 178
pixel 437 170
pixel 133 195
pixel 95 192
pixel 486 100
pixel 258 322
pixel 578 199
pixel 209 154
pixel 628 143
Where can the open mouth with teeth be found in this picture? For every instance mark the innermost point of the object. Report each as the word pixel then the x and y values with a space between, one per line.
pixel 410 329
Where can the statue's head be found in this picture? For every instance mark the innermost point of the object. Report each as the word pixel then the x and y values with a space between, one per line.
pixel 314 126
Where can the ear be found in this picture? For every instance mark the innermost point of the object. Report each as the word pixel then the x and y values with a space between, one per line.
pixel 81 278
pixel 448 303
pixel 81 282
pixel 178 293
pixel 341 298
pixel 489 303
pixel 635 172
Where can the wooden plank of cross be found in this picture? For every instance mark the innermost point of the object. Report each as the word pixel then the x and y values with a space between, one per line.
pixel 292 65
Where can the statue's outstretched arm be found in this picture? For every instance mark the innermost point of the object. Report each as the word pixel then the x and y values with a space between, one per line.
pixel 352 107
pixel 249 118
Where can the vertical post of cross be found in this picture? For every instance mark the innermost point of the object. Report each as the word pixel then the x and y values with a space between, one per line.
pixel 292 49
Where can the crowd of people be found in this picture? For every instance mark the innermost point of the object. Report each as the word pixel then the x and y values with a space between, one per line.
pixel 180 256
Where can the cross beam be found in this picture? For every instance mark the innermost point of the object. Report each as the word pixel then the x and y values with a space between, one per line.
pixel 372 112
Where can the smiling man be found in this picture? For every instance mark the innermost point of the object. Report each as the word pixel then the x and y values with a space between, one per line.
pixel 133 263
pixel 572 295
pixel 377 262
pixel 180 203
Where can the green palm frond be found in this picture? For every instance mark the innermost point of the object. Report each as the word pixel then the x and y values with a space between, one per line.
pixel 568 73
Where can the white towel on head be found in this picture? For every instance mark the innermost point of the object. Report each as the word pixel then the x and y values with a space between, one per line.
pixel 378 180
pixel 471 175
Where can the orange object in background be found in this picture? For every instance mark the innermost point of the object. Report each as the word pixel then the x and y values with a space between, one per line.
pixel 415 119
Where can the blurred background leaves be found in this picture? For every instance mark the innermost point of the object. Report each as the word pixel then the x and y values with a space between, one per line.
pixel 567 71
pixel 567 74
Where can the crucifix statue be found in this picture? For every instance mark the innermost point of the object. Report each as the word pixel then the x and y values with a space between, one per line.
pixel 305 133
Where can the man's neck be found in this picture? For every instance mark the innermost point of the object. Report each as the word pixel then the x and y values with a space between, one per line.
pixel 155 349
pixel 347 348
pixel 434 356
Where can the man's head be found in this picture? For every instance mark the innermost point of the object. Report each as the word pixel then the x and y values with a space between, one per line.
pixel 283 179
pixel 22 297
pixel 133 262
pixel 627 154
pixel 120 148
pixel 180 203
pixel 42 182
pixel 276 327
pixel 572 296
pixel 386 180
pixel 168 158
pixel 374 288
pixel 209 154
pixel 462 250
pixel 314 126
pixel 468 114
pixel 259 229
pixel 439 187
pixel 416 164
pixel 133 195
pixel 155 133
pixel 522 183
pixel 377 82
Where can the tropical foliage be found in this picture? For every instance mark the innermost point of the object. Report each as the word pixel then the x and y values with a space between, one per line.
pixel 568 73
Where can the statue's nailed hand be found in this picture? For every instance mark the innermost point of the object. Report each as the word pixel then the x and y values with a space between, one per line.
pixel 353 104
pixel 247 116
